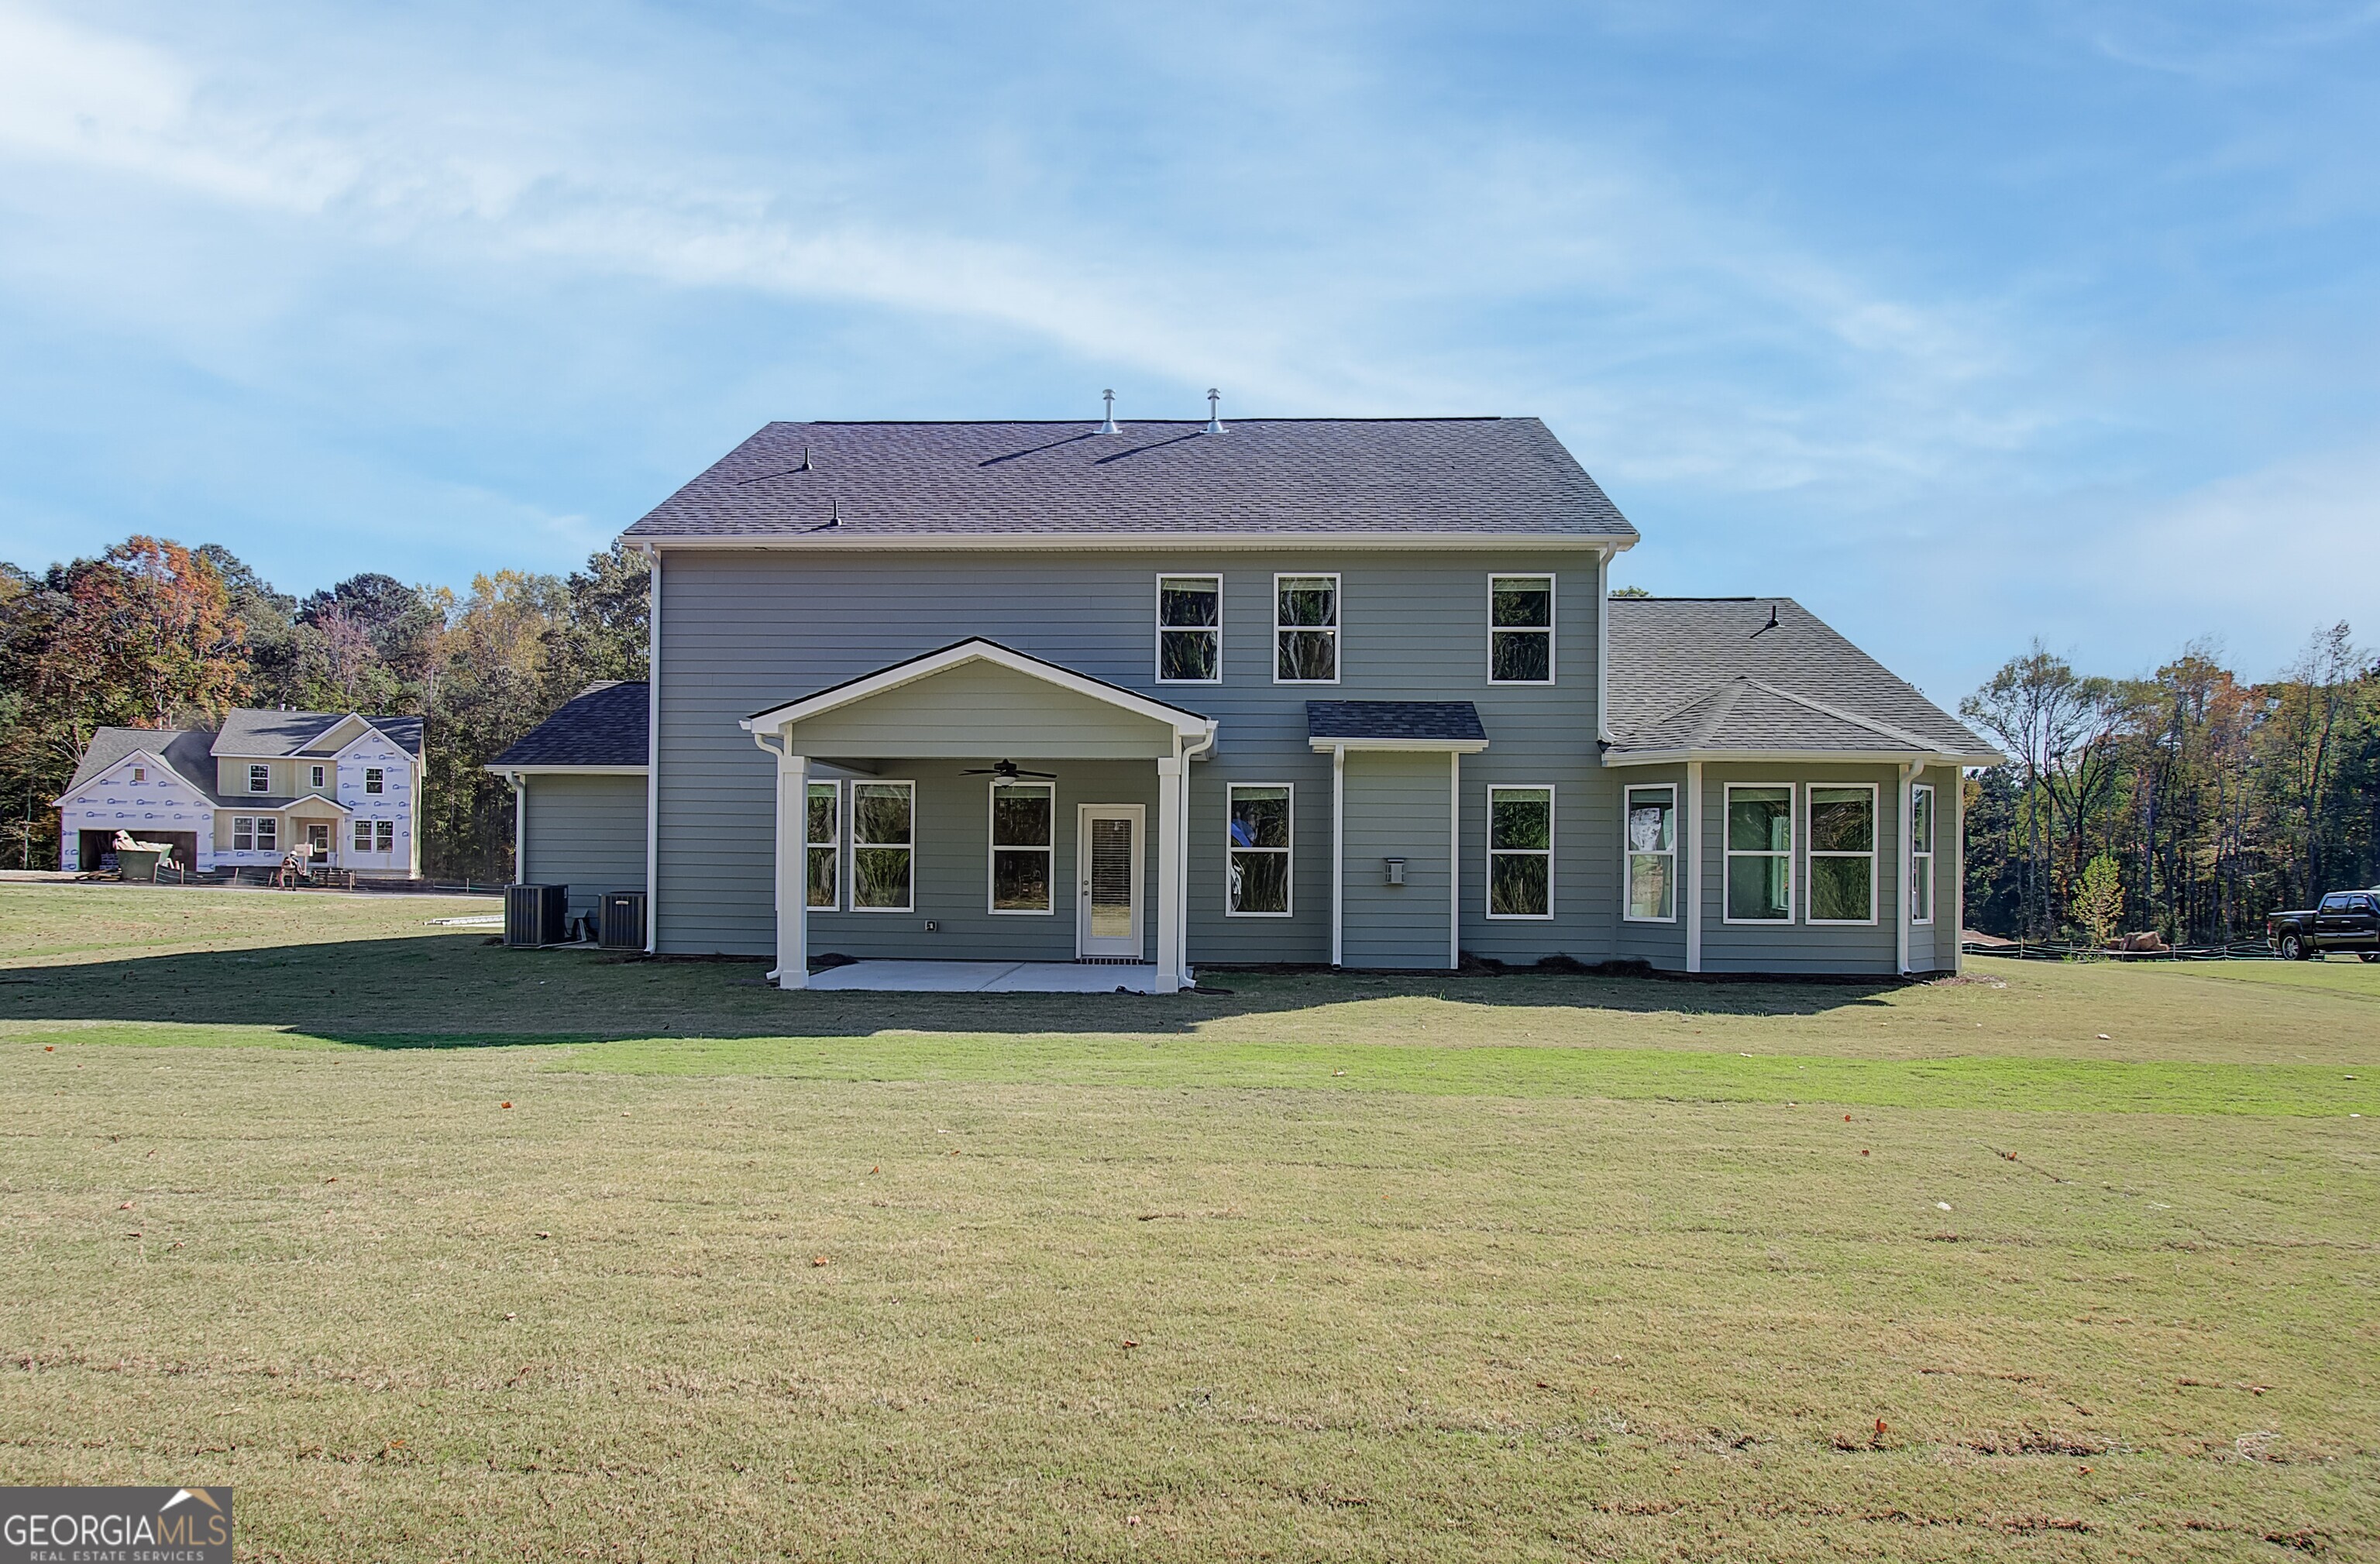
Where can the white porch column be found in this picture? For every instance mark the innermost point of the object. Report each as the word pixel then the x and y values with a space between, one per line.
pixel 792 869
pixel 1454 860
pixel 1692 848
pixel 520 829
pixel 1338 848
pixel 1170 877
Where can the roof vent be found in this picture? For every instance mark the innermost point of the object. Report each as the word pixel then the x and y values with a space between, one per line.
pixel 1106 420
pixel 1771 626
pixel 1214 412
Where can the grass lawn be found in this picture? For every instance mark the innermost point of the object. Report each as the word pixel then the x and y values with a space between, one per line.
pixel 2057 1262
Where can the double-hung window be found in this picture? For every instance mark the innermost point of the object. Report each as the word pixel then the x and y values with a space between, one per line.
pixel 1023 820
pixel 823 834
pixel 1759 853
pixel 316 773
pixel 1652 826
pixel 1921 854
pixel 383 836
pixel 1520 852
pixel 1189 630
pixel 243 834
pixel 1842 852
pixel 1519 629
pixel 373 779
pixel 259 779
pixel 883 846
pixel 267 834
pixel 1260 835
pixel 1306 629
pixel 363 836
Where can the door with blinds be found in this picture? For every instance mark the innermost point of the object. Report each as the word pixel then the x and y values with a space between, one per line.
pixel 1106 875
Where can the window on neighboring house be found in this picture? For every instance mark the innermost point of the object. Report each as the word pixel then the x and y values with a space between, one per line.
pixel 1519 629
pixel 1520 852
pixel 1306 629
pixel 1842 854
pixel 1023 817
pixel 1759 854
pixel 243 834
pixel 824 836
pixel 363 836
pixel 1189 630
pixel 383 836
pixel 267 834
pixel 317 775
pixel 1261 831
pixel 1921 854
pixel 883 846
pixel 1652 824
pixel 372 778
pixel 259 779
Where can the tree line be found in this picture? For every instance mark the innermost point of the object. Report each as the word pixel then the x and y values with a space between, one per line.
pixel 2188 803
pixel 154 635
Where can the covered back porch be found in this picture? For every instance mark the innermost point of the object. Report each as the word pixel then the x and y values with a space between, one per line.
pixel 980 805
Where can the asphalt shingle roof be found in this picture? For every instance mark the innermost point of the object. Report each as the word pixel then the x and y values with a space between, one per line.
pixel 183 749
pixel 293 733
pixel 1263 476
pixel 1455 720
pixel 603 724
pixel 1711 673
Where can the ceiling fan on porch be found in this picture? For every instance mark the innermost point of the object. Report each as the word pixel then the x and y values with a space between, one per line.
pixel 1005 771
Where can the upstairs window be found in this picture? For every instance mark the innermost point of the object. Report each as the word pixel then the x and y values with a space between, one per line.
pixel 374 778
pixel 1520 852
pixel 1306 629
pixel 883 846
pixel 1842 854
pixel 1189 630
pixel 1921 854
pixel 1260 841
pixel 259 779
pixel 1519 629
pixel 1652 824
pixel 1022 816
pixel 824 838
pixel 317 775
pixel 1759 854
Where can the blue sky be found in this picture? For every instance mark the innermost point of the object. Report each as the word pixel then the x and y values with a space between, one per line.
pixel 1962 324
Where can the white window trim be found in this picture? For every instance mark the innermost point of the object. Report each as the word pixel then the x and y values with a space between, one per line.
pixel 1553 619
pixel 1874 837
pixel 1628 854
pixel 267 825
pixel 1729 853
pixel 259 779
pixel 1549 852
pixel 992 849
pixel 243 825
pixel 1337 627
pixel 1932 890
pixel 376 780
pixel 140 773
pixel 850 858
pixel 1289 852
pixel 810 846
pixel 387 829
pixel 1158 648
pixel 362 829
pixel 318 773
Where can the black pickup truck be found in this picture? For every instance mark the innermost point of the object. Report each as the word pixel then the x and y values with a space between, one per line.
pixel 2347 920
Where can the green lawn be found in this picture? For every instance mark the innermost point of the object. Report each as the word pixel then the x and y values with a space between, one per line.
pixel 2063 1261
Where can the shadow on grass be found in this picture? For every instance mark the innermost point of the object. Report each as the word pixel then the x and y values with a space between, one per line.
pixel 456 990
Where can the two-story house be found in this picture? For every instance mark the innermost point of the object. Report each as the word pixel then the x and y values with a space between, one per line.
pixel 341 783
pixel 1333 691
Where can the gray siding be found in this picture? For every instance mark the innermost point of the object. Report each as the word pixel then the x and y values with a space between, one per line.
pixel 1396 808
pixel 585 833
pixel 1800 945
pixel 934 716
pixel 1663 944
pixel 742 632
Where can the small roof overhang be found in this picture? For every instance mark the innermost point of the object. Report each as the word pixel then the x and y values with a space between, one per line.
pixel 1192 725
pixel 559 769
pixel 1800 756
pixel 1438 726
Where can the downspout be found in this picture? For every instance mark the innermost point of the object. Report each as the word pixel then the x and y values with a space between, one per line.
pixel 1338 847
pixel 1693 845
pixel 1603 644
pixel 520 828
pixel 1908 859
pixel 1196 751
pixel 1958 867
pixel 1454 860
pixel 653 753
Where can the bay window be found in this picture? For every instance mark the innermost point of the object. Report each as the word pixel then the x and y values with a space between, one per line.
pixel 1651 827
pixel 1842 852
pixel 1759 853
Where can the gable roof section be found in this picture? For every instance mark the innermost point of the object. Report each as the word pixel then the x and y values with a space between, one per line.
pixel 182 751
pixel 1709 675
pixel 834 485
pixel 1181 719
pixel 605 724
pixel 253 735
pixel 1395 724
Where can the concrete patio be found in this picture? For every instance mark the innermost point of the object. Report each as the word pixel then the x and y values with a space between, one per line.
pixel 989 977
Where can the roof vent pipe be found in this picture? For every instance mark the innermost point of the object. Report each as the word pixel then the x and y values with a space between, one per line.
pixel 1214 412
pixel 1107 421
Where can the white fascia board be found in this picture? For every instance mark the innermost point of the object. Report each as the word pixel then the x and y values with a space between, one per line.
pixel 1800 756
pixel 1427 746
pixel 1164 542
pixel 75 795
pixel 1187 723
pixel 566 771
